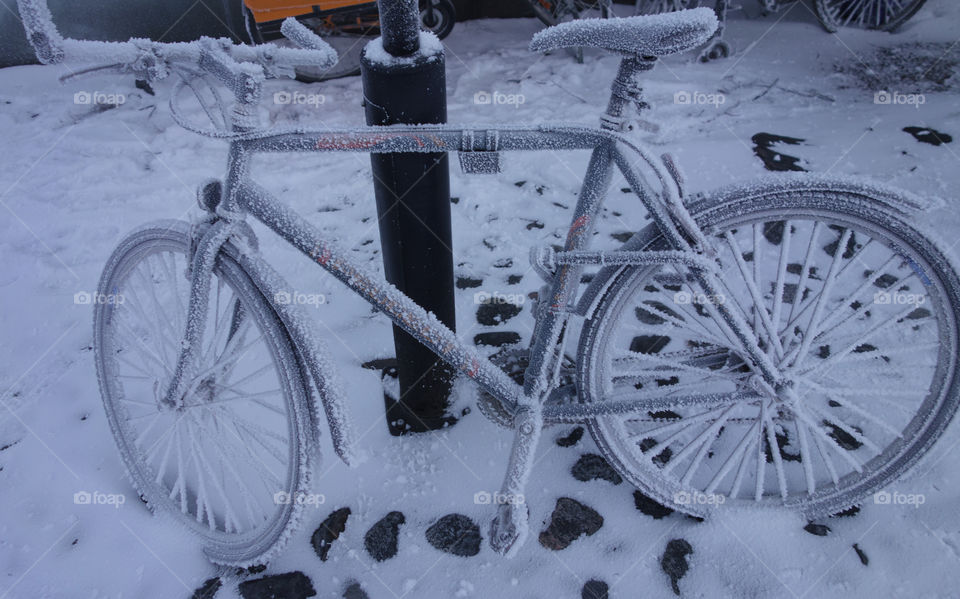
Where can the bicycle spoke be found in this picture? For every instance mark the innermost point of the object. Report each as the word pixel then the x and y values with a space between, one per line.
pixel 735 455
pixel 815 318
pixel 806 459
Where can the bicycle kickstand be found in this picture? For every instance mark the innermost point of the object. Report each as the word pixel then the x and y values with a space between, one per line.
pixel 509 528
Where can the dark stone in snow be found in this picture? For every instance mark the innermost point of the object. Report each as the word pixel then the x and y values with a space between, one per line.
pixel 570 520
pixel 622 237
pixel 292 585
pixel 928 136
pixel 674 562
pixel 821 530
pixel 255 569
pixel 863 556
pixel 650 507
pixel 495 313
pixel 497 338
pixel 208 589
pixel 355 591
pixel 660 459
pixel 503 263
pixel 847 513
pixel 595 589
pixel 381 539
pixel 842 436
pixel 572 438
pixel 456 534
pixel 772 159
pixel 380 364
pixel 534 225
pixel 468 282
pixel 329 531
pixel 514 279
pixel 649 344
pixel 591 466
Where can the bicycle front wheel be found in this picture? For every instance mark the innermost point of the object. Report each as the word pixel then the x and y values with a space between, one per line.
pixel 857 309
pixel 229 460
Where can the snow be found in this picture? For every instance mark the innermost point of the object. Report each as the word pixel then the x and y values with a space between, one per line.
pixel 77 177
pixel 430 49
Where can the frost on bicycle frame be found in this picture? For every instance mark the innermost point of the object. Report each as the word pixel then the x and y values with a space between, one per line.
pixel 682 245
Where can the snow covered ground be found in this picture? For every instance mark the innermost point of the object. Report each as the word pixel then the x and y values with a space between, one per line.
pixel 75 179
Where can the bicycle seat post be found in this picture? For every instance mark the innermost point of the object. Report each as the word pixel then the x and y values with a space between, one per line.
pixel 626 89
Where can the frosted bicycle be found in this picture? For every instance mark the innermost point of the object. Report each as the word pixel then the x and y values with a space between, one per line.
pixel 784 343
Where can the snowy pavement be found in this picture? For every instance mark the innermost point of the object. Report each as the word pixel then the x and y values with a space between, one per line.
pixel 74 179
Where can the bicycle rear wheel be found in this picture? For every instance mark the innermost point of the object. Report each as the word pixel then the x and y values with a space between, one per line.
pixel 887 15
pixel 865 313
pixel 229 461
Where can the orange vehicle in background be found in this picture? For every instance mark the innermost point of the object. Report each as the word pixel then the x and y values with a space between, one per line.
pixel 338 16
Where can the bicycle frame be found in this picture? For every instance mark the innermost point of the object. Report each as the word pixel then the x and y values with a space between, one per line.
pixel 241 196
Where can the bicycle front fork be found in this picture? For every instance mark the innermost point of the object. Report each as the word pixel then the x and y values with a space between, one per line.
pixel 201 272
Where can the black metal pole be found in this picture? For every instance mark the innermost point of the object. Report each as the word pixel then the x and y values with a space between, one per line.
pixel 413 204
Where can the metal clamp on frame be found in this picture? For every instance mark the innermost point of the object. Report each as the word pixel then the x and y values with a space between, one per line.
pixel 479 153
pixel 543 261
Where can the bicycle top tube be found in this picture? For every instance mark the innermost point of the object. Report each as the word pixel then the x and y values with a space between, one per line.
pixel 457 138
pixel 426 138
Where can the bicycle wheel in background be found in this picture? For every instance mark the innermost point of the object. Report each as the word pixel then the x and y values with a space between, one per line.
pixel 551 12
pixel 865 313
pixel 653 7
pixel 887 15
pixel 229 461
pixel 438 16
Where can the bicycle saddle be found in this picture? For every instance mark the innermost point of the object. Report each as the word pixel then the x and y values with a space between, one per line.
pixel 653 35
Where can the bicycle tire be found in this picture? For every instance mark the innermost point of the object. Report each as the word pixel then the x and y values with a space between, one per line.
pixel 845 206
pixel 445 15
pixel 157 246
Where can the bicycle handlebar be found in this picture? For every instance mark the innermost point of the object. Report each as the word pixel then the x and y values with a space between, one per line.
pixel 52 48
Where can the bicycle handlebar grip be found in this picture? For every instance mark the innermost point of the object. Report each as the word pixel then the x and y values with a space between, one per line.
pixel 41 32
pixel 270 54
pixel 300 34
